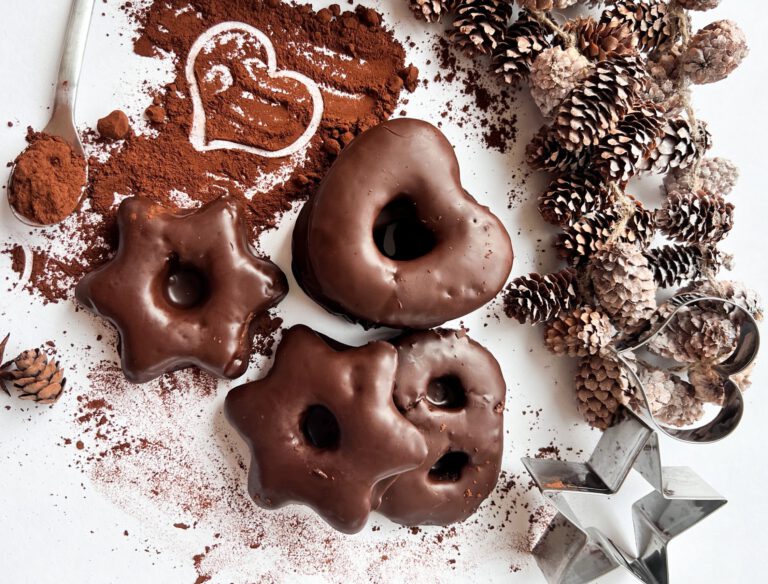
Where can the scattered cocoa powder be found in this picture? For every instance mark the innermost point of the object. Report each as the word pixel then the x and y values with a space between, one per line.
pixel 47 180
pixel 115 126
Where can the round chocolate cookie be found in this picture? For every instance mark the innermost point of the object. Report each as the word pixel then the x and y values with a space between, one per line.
pixel 392 238
pixel 451 388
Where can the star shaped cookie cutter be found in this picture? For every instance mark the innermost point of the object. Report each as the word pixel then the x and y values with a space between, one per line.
pixel 732 409
pixel 569 553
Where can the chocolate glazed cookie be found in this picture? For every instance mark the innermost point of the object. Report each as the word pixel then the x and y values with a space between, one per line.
pixel 452 389
pixel 392 238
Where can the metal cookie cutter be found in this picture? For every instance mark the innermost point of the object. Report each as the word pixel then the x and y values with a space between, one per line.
pixel 729 416
pixel 569 553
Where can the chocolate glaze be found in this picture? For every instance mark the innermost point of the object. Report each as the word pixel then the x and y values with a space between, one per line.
pixel 323 428
pixel 403 166
pixel 452 389
pixel 182 289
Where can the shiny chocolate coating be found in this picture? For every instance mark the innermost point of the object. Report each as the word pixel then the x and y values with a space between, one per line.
pixel 453 391
pixel 182 289
pixel 392 238
pixel 323 428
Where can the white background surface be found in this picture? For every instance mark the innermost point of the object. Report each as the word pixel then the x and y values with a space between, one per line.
pixel 55 527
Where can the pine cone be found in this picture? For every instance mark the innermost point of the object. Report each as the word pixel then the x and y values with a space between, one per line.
pixel 717 176
pixel 601 384
pixel 649 20
pixel 674 264
pixel 666 88
pixel 571 196
pixel 580 241
pixel 545 153
pixel 536 298
pixel 624 284
pixel 624 152
pixel 594 108
pixel 521 44
pixel 432 10
pixel 672 400
pixel 38 378
pixel 708 383
pixel 698 4
pixel 602 40
pixel 695 217
pixel 679 147
pixel 734 291
pixel 714 52
pixel 543 5
pixel 581 332
pixel 479 25
pixel 554 74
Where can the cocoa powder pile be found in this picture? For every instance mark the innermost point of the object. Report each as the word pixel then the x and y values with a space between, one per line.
pixel 47 180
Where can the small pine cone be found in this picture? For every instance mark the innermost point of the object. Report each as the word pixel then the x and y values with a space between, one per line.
pixel 698 4
pixel 602 385
pixel 697 334
pixel 38 378
pixel 679 147
pixel 708 383
pixel 545 153
pixel 536 298
pixel 595 107
pixel 543 5
pixel 479 25
pixel 624 284
pixel 695 217
pixel 622 153
pixel 672 400
pixel 714 52
pixel 580 241
pixel 432 10
pixel 554 74
pixel 676 264
pixel 581 332
pixel 717 176
pixel 572 196
pixel 664 69
pixel 734 291
pixel 602 40
pixel 650 20
pixel 517 50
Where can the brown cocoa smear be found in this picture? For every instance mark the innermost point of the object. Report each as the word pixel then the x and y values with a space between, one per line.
pixel 47 180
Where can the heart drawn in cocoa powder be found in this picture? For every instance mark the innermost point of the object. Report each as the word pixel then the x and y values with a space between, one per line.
pixel 198 135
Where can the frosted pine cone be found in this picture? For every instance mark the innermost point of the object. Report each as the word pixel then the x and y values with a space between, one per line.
pixel 624 284
pixel 582 332
pixel 544 152
pixel 536 298
pixel 672 400
pixel 650 21
pixel 601 384
pixel 479 25
pixel 714 52
pixel 554 74
pixel 680 146
pixel 708 383
pixel 602 40
pixel 664 69
pixel 517 50
pixel 717 176
pixel 432 10
pixel 572 196
pixel 695 217
pixel 698 4
pixel 735 291
pixel 544 5
pixel 676 264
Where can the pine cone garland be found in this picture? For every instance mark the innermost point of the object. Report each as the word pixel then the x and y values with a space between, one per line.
pixel 650 21
pixel 695 217
pixel 675 264
pixel 536 298
pixel 544 152
pixel 572 196
pixel 431 10
pixel 582 332
pixel 601 384
pixel 672 400
pixel 594 108
pixel 602 40
pixel 717 176
pixel 624 284
pixel 38 378
pixel 479 25
pixel 679 147
pixel 624 152
pixel 714 52
pixel 517 50
pixel 554 74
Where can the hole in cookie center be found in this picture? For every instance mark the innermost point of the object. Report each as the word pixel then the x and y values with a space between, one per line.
pixel 446 393
pixel 449 467
pixel 320 428
pixel 185 286
pixel 399 233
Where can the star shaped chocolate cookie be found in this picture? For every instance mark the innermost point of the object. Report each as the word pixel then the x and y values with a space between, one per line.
pixel 323 428
pixel 183 289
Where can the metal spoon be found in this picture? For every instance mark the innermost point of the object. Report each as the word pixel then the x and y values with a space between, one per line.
pixel 62 122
